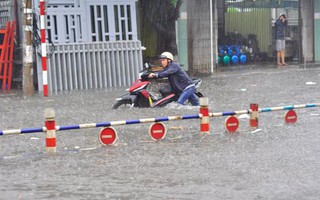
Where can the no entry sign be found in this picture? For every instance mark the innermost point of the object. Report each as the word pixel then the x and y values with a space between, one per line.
pixel 157 131
pixel 232 124
pixel 108 136
pixel 290 117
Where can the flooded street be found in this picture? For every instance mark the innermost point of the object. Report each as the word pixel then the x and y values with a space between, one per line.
pixel 277 161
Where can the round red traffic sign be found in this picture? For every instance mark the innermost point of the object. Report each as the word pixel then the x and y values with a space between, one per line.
pixel 108 136
pixel 232 124
pixel 157 131
pixel 291 117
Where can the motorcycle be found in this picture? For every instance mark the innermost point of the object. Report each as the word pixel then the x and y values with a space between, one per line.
pixel 140 94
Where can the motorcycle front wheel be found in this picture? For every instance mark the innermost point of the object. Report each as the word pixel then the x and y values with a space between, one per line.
pixel 124 103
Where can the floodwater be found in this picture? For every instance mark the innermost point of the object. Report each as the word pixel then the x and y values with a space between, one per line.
pixel 277 161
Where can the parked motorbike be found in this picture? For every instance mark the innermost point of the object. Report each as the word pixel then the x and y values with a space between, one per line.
pixel 140 95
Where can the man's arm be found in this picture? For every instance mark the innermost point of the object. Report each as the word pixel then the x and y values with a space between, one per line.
pixel 170 70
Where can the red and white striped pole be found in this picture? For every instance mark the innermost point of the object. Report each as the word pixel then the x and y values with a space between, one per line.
pixel 50 123
pixel 204 120
pixel 254 116
pixel 43 47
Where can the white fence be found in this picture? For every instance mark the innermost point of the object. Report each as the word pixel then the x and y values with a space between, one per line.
pixel 94 65
pixel 6 7
pixel 95 44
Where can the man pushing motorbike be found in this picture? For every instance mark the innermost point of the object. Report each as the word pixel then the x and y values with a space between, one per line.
pixel 180 82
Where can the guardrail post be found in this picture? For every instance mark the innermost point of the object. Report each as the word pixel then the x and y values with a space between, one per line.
pixel 204 120
pixel 51 130
pixel 254 116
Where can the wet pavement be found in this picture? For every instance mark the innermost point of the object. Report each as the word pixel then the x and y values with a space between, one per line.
pixel 277 161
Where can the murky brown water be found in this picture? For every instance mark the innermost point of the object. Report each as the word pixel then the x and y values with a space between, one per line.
pixel 276 162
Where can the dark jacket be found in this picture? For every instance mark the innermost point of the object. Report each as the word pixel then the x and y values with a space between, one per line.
pixel 178 78
pixel 280 29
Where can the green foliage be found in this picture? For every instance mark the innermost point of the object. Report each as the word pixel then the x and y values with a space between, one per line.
pixel 158 19
pixel 174 2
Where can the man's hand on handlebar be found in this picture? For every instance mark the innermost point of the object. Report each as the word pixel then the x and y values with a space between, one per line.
pixel 152 75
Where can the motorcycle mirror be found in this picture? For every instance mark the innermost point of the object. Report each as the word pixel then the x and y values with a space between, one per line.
pixel 146 65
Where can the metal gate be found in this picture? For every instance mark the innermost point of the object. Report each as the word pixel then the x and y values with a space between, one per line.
pixel 5 12
pixel 93 44
pixel 94 65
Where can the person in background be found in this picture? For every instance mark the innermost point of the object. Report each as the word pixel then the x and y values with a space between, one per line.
pixel 180 82
pixel 280 25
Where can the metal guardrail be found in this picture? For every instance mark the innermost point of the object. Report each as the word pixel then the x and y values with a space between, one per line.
pixel 157 131
pixel 100 124
pixel 151 120
pixel 261 110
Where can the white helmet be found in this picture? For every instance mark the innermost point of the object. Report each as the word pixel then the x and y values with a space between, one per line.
pixel 166 55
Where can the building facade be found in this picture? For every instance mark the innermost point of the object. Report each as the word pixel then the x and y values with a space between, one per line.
pixel 95 43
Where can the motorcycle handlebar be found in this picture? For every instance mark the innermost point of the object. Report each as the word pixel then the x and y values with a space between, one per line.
pixel 144 76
